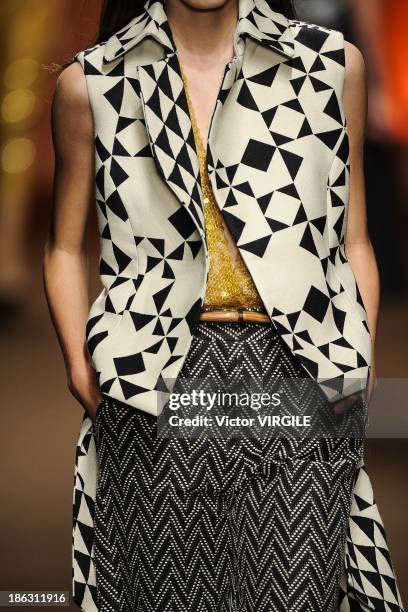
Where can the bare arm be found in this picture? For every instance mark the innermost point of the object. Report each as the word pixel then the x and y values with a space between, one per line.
pixel 65 263
pixel 359 249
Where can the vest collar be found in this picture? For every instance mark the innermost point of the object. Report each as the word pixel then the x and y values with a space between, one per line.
pixel 255 19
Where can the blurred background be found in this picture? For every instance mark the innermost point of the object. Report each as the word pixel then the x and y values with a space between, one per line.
pixel 39 419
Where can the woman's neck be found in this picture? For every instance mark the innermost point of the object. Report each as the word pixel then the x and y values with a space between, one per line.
pixel 202 36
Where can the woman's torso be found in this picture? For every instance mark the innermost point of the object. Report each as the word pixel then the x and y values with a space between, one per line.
pixel 277 162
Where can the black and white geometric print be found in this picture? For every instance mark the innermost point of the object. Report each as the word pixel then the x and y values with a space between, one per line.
pixel 166 525
pixel 369 581
pixel 281 181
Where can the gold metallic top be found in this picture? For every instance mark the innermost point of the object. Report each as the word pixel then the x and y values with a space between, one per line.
pixel 229 283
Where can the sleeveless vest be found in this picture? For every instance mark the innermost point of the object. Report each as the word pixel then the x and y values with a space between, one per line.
pixel 278 162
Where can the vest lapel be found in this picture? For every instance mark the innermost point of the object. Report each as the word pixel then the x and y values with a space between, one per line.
pixel 164 107
pixel 240 158
pixel 170 132
pixel 164 102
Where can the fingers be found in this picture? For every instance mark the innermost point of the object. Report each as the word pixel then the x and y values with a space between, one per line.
pixel 93 408
pixel 347 403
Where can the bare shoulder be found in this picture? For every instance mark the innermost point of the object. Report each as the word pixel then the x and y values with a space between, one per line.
pixel 355 68
pixel 71 110
pixel 355 93
pixel 71 92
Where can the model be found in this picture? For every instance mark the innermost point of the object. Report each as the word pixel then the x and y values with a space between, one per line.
pixel 221 140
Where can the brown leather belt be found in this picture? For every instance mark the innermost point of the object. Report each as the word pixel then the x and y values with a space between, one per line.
pixel 237 315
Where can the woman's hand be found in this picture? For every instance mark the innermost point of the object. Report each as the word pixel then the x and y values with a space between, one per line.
pixel 84 386
pixel 372 383
pixel 345 404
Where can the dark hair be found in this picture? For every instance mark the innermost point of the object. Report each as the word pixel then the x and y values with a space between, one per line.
pixel 117 13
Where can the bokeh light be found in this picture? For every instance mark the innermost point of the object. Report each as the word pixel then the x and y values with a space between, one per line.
pixel 17 105
pixel 21 73
pixel 18 155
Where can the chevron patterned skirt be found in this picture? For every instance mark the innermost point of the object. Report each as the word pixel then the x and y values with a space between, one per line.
pixel 228 522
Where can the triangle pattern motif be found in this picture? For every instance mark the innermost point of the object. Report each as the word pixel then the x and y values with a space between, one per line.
pixel 281 181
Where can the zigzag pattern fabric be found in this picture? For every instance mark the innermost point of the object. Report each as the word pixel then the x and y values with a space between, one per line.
pixel 226 524
pixel 282 184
